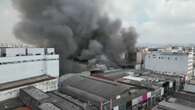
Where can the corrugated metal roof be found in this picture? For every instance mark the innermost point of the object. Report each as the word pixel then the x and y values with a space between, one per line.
pixel 100 87
pixel 35 93
pixel 60 102
pixel 48 106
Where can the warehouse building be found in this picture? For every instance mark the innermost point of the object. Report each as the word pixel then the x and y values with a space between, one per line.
pixel 155 95
pixel 128 77
pixel 102 94
pixel 39 100
pixel 160 85
pixel 170 62
pixel 172 82
pixel 78 92
pixel 31 98
pixel 23 67
pixel 190 86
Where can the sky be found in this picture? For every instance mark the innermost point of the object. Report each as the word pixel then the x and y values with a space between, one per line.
pixel 8 18
pixel 156 21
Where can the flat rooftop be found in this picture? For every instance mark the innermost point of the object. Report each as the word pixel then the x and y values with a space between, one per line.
pixel 152 74
pixel 24 82
pixel 116 74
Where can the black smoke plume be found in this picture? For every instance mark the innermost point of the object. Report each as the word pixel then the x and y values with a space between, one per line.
pixel 80 30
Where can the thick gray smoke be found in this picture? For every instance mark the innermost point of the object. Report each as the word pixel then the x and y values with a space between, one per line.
pixel 79 30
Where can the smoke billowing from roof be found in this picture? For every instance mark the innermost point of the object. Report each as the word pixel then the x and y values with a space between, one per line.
pixel 80 31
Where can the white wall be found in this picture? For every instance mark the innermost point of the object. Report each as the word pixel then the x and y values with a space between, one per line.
pixel 34 51
pixel 22 67
pixel 139 57
pixel 167 63
pixel 12 52
pixel 50 51
pixel 189 88
pixel 44 86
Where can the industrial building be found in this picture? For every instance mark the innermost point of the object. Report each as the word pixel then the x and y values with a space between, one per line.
pixel 170 62
pixel 164 105
pixel 160 85
pixel 31 98
pixel 156 92
pixel 103 94
pixel 23 67
pixel 80 92
pixel 178 101
pixel 140 57
pixel 39 100
pixel 190 86
pixel 36 85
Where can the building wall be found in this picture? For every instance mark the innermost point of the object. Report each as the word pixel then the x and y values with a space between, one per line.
pixel 140 56
pixel 168 63
pixel 189 88
pixel 35 51
pixel 22 67
pixel 11 52
pixel 44 86
pixel 190 72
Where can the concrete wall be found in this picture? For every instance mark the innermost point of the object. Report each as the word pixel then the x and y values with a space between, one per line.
pixel 167 63
pixel 50 51
pixel 140 57
pixel 44 86
pixel 12 52
pixel 35 51
pixel 189 88
pixel 21 67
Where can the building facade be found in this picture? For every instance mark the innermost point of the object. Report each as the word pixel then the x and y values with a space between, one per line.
pixel 170 63
pixel 22 63
pixel 23 67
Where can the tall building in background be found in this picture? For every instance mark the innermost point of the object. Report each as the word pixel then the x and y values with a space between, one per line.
pixel 170 62
pixel 23 67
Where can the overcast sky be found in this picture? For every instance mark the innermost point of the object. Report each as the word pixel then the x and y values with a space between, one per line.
pixel 156 21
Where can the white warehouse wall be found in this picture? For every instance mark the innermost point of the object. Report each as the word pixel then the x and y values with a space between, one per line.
pixel 189 88
pixel 34 51
pixel 22 67
pixel 173 63
pixel 12 52
pixel 45 86
pixel 50 51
